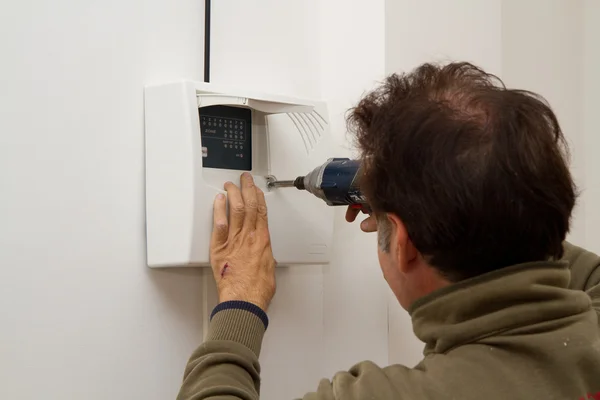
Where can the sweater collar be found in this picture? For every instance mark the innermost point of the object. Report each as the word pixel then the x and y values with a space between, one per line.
pixel 495 302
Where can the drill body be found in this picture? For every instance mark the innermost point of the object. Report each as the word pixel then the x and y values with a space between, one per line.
pixel 335 182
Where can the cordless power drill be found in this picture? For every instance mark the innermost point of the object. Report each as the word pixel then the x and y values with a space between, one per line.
pixel 335 182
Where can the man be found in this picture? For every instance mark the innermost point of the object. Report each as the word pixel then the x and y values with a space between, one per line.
pixel 472 200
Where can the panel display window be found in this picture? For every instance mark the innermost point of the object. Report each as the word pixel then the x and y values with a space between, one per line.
pixel 226 135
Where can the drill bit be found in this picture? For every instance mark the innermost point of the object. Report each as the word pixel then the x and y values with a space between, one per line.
pixel 280 184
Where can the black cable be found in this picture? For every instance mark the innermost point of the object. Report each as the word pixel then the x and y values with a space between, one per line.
pixel 206 40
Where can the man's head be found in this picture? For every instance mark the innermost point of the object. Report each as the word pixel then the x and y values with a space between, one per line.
pixel 464 176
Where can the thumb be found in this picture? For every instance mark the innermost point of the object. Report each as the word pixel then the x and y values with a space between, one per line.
pixel 369 224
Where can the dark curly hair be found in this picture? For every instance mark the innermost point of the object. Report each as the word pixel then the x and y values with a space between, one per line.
pixel 477 172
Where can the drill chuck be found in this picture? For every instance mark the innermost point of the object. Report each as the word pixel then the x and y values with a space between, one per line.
pixel 299 183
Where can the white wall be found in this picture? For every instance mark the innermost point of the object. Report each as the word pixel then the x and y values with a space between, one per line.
pixel 273 46
pixel 268 45
pixel 354 301
pixel 81 314
pixel 542 51
pixel 467 30
pixel 558 56
pixel 591 122
pixel 322 319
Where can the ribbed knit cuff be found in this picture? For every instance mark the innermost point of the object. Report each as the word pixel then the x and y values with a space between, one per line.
pixel 237 325
pixel 242 305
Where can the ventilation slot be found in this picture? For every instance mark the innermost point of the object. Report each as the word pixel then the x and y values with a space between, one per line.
pixel 310 126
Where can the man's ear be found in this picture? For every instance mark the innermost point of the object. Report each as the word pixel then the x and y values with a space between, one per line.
pixel 405 250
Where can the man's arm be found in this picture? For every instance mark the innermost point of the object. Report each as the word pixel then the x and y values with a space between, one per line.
pixel 226 365
pixel 241 257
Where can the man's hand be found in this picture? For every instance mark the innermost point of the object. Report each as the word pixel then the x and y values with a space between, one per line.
pixel 240 249
pixel 368 225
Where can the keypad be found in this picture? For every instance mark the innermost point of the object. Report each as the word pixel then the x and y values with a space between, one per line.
pixel 227 129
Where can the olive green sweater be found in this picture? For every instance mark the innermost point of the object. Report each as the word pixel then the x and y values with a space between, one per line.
pixel 530 331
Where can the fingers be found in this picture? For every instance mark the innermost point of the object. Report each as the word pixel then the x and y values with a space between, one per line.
pixel 237 210
pixel 220 228
pixel 369 225
pixel 250 201
pixel 262 222
pixel 351 213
